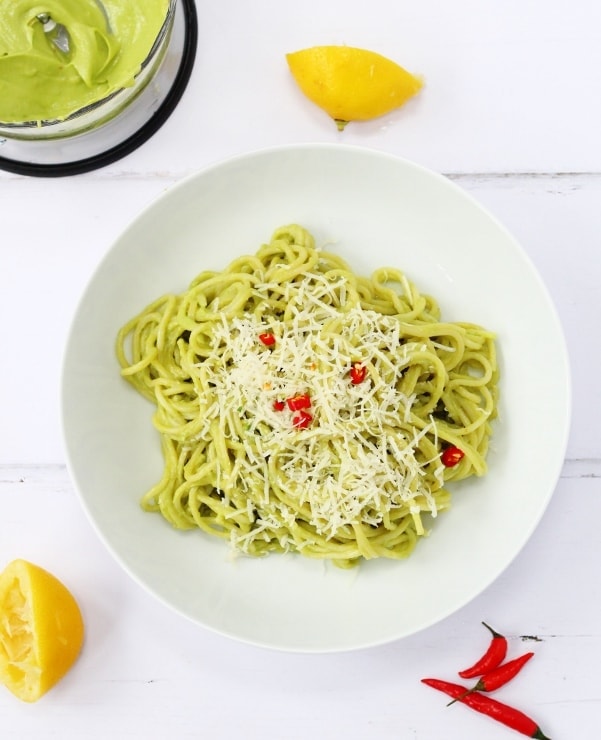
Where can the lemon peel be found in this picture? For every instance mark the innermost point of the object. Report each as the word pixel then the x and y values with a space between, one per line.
pixel 350 83
pixel 41 630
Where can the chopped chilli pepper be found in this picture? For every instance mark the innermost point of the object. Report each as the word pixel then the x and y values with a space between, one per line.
pixel 500 676
pixel 451 456
pixel 492 658
pixel 298 402
pixel 279 405
pixel 503 713
pixel 302 420
pixel 267 338
pixel 358 373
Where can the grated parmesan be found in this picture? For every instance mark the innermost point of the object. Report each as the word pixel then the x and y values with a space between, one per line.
pixel 352 463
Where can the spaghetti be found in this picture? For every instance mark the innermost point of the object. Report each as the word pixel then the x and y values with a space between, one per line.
pixel 304 408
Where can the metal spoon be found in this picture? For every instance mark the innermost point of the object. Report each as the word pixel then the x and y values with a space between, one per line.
pixel 57 33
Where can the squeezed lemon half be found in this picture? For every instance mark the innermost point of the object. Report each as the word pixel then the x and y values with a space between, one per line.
pixel 351 84
pixel 41 630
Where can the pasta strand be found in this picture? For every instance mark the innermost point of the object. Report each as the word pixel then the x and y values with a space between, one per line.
pixel 361 475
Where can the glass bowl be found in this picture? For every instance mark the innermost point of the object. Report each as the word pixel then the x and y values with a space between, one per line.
pixel 118 123
pixel 97 113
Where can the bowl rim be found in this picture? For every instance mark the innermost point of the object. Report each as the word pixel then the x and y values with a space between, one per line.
pixel 563 370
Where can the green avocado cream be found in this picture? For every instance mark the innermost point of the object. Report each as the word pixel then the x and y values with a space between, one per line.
pixel 39 82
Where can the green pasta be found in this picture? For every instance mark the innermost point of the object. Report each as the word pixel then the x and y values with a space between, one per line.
pixel 304 408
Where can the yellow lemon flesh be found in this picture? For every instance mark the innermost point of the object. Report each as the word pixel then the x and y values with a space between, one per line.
pixel 41 630
pixel 351 84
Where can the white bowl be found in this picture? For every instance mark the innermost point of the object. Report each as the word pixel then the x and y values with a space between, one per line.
pixel 376 210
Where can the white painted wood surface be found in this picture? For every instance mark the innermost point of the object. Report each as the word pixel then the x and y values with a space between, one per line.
pixel 512 113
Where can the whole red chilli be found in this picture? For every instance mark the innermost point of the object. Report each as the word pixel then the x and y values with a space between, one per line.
pixel 493 657
pixel 500 676
pixel 493 680
pixel 503 713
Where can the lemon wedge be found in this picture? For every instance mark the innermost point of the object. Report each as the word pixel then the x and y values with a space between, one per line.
pixel 41 630
pixel 351 84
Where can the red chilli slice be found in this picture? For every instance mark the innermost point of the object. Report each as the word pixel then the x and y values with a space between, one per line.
pixel 267 338
pixel 358 373
pixel 301 420
pixel 451 456
pixel 299 402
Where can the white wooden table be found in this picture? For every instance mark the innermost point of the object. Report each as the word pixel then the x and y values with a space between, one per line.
pixel 512 113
